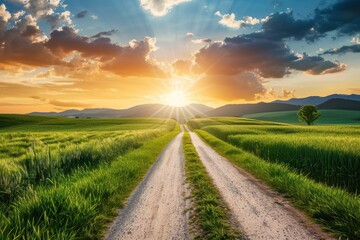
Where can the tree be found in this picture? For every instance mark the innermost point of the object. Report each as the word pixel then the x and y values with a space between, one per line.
pixel 308 114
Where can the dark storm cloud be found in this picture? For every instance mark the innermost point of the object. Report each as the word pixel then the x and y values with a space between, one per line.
pixel 66 40
pixel 270 58
pixel 343 50
pixel 316 65
pixel 283 25
pixel 342 16
pixel 82 14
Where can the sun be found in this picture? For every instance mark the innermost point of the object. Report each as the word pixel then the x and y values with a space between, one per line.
pixel 177 98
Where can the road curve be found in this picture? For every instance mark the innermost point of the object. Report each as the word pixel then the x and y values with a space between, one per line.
pixel 156 209
pixel 260 214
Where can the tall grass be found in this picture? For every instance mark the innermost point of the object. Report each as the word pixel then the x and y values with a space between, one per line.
pixel 59 179
pixel 328 154
pixel 82 204
pixel 43 163
pixel 336 209
pixel 331 160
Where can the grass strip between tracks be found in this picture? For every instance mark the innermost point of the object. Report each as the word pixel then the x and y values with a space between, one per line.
pixel 337 210
pixel 210 214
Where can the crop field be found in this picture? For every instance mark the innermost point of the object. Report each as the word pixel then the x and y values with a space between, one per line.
pixel 324 159
pixel 61 178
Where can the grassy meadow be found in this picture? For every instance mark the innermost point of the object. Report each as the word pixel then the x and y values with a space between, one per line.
pixel 317 167
pixel 328 116
pixel 64 178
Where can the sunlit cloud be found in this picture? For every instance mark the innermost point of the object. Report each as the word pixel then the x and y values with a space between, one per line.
pixel 201 40
pixel 160 7
pixel 229 20
pixel 4 14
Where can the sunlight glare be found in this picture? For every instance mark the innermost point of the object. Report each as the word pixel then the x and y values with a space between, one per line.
pixel 177 98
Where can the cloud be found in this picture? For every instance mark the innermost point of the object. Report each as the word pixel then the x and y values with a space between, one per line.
pixel 69 104
pixel 356 40
pixel 22 45
pixel 229 20
pixel 246 86
pixel 243 62
pixel 343 50
pixel 270 58
pixel 102 34
pixel 38 98
pixel 316 65
pixel 189 34
pixel 271 94
pixel 283 25
pixel 182 67
pixel 18 14
pixel 41 8
pixel 160 7
pixel 4 14
pixel 57 18
pixel 287 93
pixel 201 40
pixel 18 1
pixel 82 14
pixel 128 60
pixel 66 40
pixel 342 16
pixel 134 60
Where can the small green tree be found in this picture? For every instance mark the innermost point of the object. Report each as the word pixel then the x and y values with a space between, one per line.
pixel 308 114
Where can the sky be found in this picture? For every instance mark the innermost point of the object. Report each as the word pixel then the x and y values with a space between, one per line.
pixel 74 54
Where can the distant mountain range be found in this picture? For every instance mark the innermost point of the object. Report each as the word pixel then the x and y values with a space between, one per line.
pixel 335 101
pixel 316 100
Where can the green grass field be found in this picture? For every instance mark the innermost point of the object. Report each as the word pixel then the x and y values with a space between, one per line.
pixel 64 178
pixel 317 167
pixel 327 117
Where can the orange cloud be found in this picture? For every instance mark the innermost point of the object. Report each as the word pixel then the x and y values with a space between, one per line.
pixel 246 86
pixel 69 104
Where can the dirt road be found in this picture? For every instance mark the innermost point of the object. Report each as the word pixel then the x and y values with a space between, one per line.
pixel 156 210
pixel 260 213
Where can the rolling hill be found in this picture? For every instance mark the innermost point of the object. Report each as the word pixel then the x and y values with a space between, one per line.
pixel 328 116
pixel 238 110
pixel 340 104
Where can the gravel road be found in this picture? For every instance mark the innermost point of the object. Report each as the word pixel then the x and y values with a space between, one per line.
pixel 156 209
pixel 260 213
